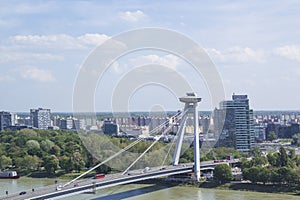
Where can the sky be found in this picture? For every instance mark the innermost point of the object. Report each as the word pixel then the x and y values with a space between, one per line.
pixel 254 45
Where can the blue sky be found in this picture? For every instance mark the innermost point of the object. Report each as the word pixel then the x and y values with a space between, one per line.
pixel 255 46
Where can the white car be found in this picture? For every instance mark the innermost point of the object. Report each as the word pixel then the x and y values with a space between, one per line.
pixel 59 187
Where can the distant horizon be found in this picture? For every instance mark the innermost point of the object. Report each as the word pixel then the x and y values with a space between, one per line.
pixel 169 111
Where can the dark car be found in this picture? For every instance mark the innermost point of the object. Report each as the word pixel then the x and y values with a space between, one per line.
pixel 21 193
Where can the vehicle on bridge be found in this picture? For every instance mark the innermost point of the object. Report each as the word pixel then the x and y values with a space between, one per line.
pixel 146 169
pixel 59 187
pixel 219 161
pixel 97 176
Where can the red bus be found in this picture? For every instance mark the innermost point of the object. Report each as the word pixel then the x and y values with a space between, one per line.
pixel 99 176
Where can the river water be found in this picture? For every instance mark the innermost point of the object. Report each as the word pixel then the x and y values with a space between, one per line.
pixel 143 192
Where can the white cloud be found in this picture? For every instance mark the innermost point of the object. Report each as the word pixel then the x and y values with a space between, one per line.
pixel 237 55
pixel 93 39
pixel 132 16
pixel 36 74
pixel 6 78
pixel 60 41
pixel 169 60
pixel 121 66
pixel 291 52
pixel 6 56
pixel 297 70
pixel 115 66
pixel 46 47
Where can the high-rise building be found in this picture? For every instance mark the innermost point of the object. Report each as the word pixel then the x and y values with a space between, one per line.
pixel 66 124
pixel 204 122
pixel 110 128
pixel 234 123
pixel 78 124
pixel 40 118
pixel 5 120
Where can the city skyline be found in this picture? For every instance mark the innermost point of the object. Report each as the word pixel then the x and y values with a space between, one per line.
pixel 255 48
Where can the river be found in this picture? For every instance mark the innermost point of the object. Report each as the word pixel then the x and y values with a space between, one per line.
pixel 144 192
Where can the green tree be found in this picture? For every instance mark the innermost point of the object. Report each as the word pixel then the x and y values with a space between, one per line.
pixel 257 174
pixel 30 162
pixel 297 177
pixel 55 150
pixel 28 132
pixel 27 162
pixel 188 156
pixel 32 144
pixel 272 136
pixel 33 148
pixel 297 160
pixel 15 151
pixel 20 140
pixel 272 159
pixel 66 164
pixel 19 162
pixel 296 139
pixel 283 157
pixel 51 164
pixel 47 145
pixel 246 163
pixel 286 174
pixel 77 161
pixel 292 154
pixel 259 161
pixel 255 152
pixel 103 169
pixel 251 174
pixel 278 162
pixel 223 173
pixel 221 153
pixel 264 175
pixel 5 162
pixel 275 176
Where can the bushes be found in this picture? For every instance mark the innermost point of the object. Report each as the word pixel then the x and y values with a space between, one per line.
pixel 223 173
pixel 279 169
pixel 30 149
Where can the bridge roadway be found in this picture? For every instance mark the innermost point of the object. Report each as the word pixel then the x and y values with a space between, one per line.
pixel 110 180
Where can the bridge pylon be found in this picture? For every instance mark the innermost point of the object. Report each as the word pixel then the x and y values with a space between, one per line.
pixel 191 103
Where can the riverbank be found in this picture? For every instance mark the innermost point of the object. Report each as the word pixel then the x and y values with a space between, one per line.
pixel 238 186
pixel 244 186
pixel 59 174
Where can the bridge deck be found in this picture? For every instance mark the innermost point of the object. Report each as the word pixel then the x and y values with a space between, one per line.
pixel 110 180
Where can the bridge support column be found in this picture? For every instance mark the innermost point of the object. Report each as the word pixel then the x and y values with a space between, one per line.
pixel 180 139
pixel 94 188
pixel 196 145
pixel 191 103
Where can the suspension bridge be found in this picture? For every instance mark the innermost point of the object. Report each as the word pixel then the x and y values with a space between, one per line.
pixel 81 184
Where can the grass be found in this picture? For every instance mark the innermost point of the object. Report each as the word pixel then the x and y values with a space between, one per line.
pixel 58 174
pixel 268 188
